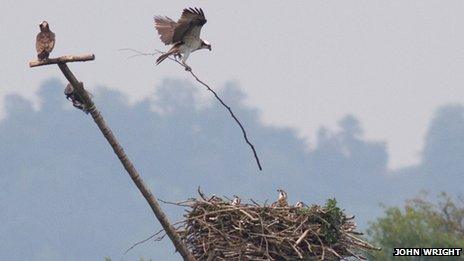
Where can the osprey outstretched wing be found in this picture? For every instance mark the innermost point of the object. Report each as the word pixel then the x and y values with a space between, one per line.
pixel 189 25
pixel 165 27
pixel 184 34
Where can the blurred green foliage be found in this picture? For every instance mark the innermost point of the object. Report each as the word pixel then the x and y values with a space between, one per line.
pixel 420 223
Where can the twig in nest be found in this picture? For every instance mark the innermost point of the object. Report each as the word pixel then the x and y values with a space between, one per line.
pixel 146 239
pixel 245 136
pixel 258 232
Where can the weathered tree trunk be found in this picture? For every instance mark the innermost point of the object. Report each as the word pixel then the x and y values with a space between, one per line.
pixel 89 107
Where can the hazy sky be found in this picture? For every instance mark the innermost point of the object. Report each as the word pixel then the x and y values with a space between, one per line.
pixel 304 64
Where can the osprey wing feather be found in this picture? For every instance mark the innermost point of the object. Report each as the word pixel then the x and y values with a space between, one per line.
pixel 172 32
pixel 189 24
pixel 184 35
pixel 165 27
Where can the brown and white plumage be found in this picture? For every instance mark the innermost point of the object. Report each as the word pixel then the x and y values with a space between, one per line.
pixel 45 41
pixel 236 201
pixel 184 34
pixel 282 200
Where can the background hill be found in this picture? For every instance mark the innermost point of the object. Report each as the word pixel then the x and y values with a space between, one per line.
pixel 66 197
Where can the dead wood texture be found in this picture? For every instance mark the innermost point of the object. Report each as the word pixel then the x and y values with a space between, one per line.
pixel 216 229
pixel 63 59
pixel 81 95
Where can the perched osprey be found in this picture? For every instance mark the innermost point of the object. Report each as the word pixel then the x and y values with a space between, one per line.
pixel 282 200
pixel 236 201
pixel 45 41
pixel 184 34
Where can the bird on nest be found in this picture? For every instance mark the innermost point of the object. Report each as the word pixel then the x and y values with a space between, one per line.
pixel 282 200
pixel 236 201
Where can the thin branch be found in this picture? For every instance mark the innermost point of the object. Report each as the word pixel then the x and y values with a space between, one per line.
pixel 245 136
pixel 172 203
pixel 138 53
pixel 145 240
pixel 231 114
pixel 178 224
pixel 63 59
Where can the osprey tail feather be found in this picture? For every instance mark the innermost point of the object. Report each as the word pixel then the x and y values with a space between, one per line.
pixel 163 57
pixel 173 50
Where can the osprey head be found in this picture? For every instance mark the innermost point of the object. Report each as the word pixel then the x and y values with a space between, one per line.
pixel 205 45
pixel 236 200
pixel 282 194
pixel 44 26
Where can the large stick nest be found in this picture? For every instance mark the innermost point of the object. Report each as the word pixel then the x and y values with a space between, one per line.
pixel 218 229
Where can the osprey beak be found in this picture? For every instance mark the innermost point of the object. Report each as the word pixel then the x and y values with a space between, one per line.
pixel 43 25
pixel 209 47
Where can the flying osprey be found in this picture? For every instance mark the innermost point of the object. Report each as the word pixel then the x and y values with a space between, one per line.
pixel 45 41
pixel 184 34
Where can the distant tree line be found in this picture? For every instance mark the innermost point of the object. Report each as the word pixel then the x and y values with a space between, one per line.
pixel 420 223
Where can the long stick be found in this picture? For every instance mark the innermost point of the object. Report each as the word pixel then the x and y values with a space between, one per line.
pixel 215 95
pixel 84 97
pixel 231 114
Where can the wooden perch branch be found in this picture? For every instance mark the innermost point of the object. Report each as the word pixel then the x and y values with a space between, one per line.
pixel 63 59
pixel 80 94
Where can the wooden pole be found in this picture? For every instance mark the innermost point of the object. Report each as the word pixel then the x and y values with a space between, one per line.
pixel 81 94
pixel 63 59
